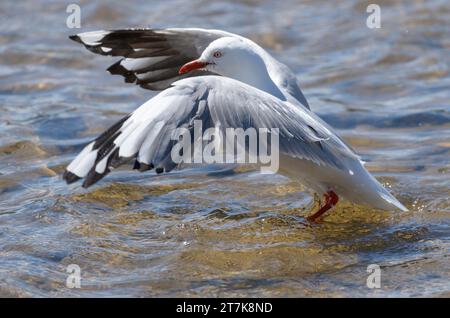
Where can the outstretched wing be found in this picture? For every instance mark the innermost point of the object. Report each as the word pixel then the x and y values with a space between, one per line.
pixel 146 134
pixel 151 57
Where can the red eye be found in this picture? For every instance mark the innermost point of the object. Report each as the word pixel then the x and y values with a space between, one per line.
pixel 217 54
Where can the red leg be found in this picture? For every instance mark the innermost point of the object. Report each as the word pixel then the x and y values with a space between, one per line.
pixel 331 199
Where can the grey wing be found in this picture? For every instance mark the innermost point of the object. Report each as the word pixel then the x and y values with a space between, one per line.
pixel 146 135
pixel 302 134
pixel 287 80
pixel 293 88
pixel 151 57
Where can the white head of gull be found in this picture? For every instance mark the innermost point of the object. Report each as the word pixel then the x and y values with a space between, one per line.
pixel 237 59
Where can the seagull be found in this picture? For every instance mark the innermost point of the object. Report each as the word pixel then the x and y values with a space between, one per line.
pixel 244 93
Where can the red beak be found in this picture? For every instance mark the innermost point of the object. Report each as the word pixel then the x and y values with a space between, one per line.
pixel 193 65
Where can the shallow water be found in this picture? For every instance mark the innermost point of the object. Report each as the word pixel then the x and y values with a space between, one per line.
pixel 209 232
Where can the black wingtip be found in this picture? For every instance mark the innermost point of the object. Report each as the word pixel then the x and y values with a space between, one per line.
pixel 75 38
pixel 145 167
pixel 93 177
pixel 70 177
pixel 118 69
